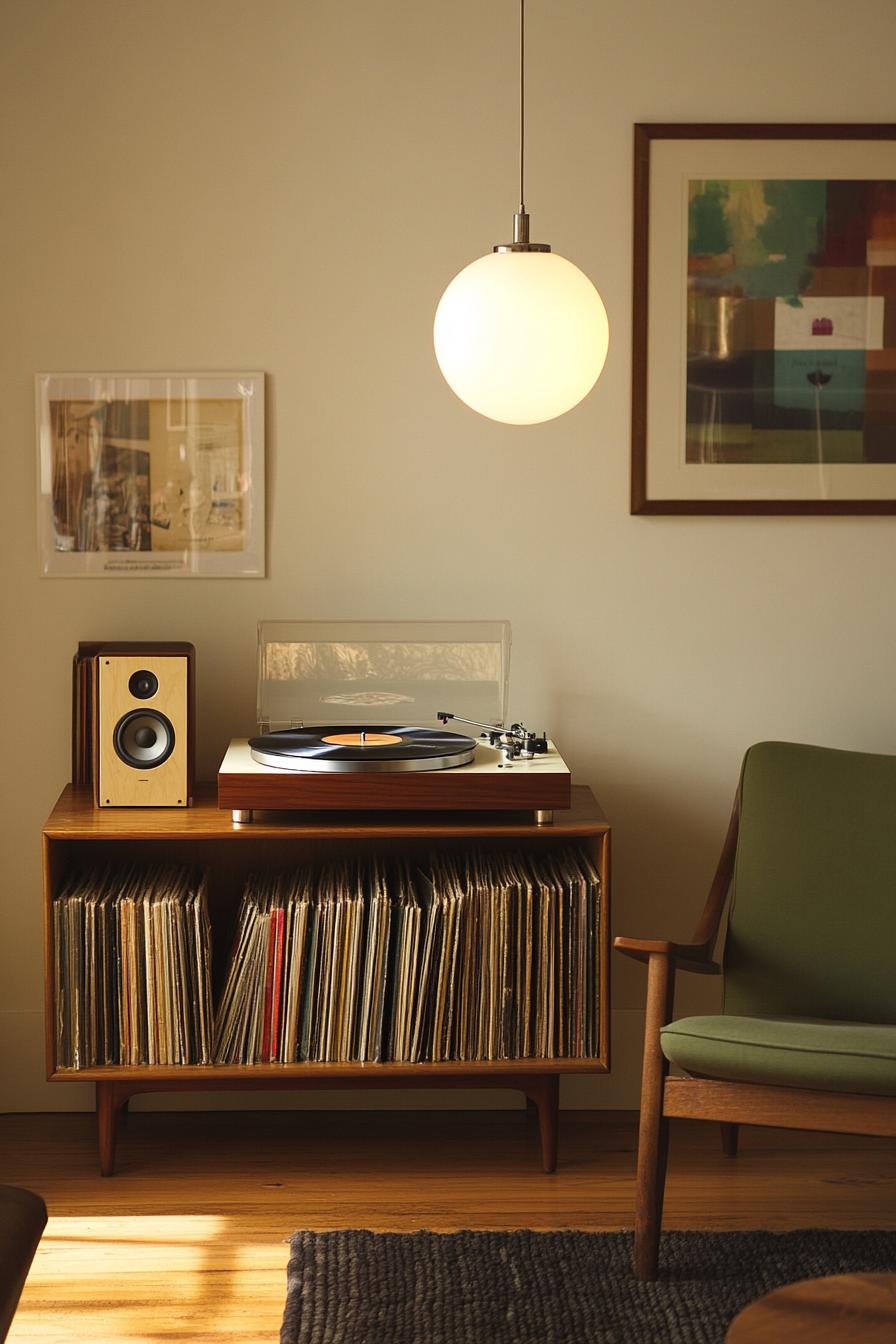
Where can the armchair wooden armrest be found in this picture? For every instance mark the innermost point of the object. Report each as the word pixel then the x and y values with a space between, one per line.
pixel 685 956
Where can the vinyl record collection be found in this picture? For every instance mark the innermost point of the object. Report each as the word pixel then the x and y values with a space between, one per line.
pixel 132 968
pixel 473 955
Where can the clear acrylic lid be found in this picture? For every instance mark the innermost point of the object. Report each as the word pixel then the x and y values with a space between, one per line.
pixel 377 672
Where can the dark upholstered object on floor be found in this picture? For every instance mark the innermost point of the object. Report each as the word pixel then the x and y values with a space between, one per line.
pixel 23 1217
pixel 548 1287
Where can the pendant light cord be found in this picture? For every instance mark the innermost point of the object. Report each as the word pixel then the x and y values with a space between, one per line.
pixel 522 98
pixel 521 219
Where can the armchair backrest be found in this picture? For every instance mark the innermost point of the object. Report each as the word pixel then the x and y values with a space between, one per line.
pixel 812 922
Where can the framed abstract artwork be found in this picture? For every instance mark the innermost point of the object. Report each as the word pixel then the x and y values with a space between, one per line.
pixel 764 357
pixel 151 474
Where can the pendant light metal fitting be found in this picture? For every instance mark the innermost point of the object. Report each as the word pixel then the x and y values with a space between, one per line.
pixel 521 237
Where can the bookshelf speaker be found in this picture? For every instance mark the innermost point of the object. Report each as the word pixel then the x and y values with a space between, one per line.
pixel 143 727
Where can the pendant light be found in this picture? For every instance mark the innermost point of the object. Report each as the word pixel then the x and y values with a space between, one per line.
pixel 521 335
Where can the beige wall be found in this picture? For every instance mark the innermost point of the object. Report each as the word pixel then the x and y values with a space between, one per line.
pixel 288 186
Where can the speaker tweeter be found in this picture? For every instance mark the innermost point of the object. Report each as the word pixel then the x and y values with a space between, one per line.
pixel 143 684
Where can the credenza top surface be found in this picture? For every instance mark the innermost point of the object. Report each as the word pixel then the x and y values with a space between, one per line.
pixel 76 818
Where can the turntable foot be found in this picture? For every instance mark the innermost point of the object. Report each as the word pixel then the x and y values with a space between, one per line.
pixel 544 818
pixel 241 815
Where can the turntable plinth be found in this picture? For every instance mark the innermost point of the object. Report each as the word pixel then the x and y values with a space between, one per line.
pixel 483 785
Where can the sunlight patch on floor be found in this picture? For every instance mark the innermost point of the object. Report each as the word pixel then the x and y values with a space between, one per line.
pixel 152 1278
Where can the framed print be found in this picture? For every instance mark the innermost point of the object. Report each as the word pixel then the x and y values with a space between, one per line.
pixel 764 359
pixel 158 474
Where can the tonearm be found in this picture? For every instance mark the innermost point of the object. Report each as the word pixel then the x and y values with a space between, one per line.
pixel 515 742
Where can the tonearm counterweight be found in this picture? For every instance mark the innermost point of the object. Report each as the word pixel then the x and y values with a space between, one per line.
pixel 515 742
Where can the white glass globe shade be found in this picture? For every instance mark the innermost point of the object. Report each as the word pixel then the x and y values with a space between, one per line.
pixel 521 336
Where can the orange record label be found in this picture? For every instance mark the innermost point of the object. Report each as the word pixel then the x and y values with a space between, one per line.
pixel 364 739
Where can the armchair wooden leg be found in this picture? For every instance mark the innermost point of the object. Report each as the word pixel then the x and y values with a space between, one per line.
pixel 729 1138
pixel 653 1132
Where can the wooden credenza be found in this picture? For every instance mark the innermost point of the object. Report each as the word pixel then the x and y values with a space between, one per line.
pixel 77 833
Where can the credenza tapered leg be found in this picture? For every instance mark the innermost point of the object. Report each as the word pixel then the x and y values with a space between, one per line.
pixel 545 1094
pixel 109 1101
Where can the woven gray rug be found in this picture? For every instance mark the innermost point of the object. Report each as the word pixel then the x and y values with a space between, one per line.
pixel 548 1287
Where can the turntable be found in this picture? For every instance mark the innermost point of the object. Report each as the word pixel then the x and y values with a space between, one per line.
pixel 351 716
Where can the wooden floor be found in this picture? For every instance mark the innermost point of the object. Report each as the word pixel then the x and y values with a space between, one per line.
pixel 188 1240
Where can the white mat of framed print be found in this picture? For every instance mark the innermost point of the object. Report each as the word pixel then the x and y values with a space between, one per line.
pixel 158 474
pixel 764 358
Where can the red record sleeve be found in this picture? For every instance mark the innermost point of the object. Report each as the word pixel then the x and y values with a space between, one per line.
pixel 277 931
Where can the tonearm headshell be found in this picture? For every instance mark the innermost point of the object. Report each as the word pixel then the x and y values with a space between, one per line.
pixel 515 742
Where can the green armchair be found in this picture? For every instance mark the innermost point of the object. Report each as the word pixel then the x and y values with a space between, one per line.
pixel 806 1038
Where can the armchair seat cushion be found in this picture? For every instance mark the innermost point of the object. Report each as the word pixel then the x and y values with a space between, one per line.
pixel 817 1053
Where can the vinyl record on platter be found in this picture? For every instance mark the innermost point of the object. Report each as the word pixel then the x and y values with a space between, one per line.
pixel 359 749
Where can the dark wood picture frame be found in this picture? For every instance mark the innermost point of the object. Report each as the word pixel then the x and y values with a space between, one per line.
pixel 642 500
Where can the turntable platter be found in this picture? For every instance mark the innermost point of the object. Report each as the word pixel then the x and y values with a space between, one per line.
pixel 358 749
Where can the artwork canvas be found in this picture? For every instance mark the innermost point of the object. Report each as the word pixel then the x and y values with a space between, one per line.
pixel 770 330
pixel 151 474
pixel 791 344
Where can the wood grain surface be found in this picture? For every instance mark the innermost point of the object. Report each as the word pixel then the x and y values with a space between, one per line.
pixel 836 1310
pixel 74 817
pixel 787 1107
pixel 435 789
pixel 190 1240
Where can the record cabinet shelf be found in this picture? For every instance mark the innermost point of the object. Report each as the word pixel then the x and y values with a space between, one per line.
pixel 207 836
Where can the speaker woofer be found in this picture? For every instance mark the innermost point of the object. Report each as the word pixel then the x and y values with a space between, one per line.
pixel 144 738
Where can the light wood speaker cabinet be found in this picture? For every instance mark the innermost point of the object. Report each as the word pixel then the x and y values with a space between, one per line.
pixel 143 726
